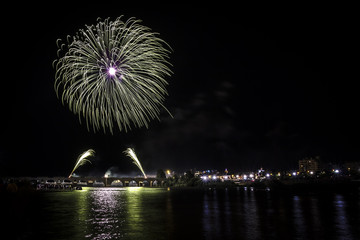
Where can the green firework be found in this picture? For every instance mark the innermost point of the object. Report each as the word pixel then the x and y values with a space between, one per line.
pixel 131 153
pixel 82 159
pixel 113 74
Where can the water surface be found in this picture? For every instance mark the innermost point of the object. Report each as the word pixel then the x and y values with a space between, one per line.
pixel 157 213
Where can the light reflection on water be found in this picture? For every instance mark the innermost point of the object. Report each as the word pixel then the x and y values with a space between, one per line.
pixel 154 213
pixel 107 207
pixel 341 219
pixel 298 216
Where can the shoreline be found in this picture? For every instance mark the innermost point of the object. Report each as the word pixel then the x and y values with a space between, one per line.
pixel 298 185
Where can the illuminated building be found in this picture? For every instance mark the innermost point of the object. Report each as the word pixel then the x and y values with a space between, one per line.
pixel 308 165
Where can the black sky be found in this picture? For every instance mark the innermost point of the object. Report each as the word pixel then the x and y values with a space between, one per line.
pixel 252 87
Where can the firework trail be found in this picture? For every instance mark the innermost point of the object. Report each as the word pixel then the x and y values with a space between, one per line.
pixel 131 153
pixel 82 159
pixel 113 73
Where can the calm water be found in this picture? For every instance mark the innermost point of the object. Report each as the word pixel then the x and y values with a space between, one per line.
pixel 152 213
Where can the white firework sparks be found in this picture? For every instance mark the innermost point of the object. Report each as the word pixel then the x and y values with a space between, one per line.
pixel 131 153
pixel 113 73
pixel 82 159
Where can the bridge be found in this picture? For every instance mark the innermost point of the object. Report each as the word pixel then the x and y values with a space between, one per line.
pixel 97 181
pixel 117 182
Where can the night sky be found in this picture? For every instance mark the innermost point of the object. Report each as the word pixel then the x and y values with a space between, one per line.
pixel 251 88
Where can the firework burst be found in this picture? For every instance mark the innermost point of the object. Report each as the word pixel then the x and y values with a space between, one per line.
pixel 82 159
pixel 131 153
pixel 113 74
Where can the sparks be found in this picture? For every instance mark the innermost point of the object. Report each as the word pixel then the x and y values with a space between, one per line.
pixel 112 71
pixel 131 153
pixel 97 53
pixel 82 159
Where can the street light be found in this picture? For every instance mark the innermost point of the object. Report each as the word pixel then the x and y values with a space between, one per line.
pixel 106 177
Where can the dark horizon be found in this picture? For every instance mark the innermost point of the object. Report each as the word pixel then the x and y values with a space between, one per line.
pixel 251 88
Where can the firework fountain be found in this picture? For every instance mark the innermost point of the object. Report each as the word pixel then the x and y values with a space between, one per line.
pixel 82 159
pixel 131 153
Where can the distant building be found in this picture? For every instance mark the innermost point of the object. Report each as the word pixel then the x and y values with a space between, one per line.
pixel 308 165
pixel 352 166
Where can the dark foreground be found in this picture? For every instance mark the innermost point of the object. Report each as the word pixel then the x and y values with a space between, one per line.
pixel 161 213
